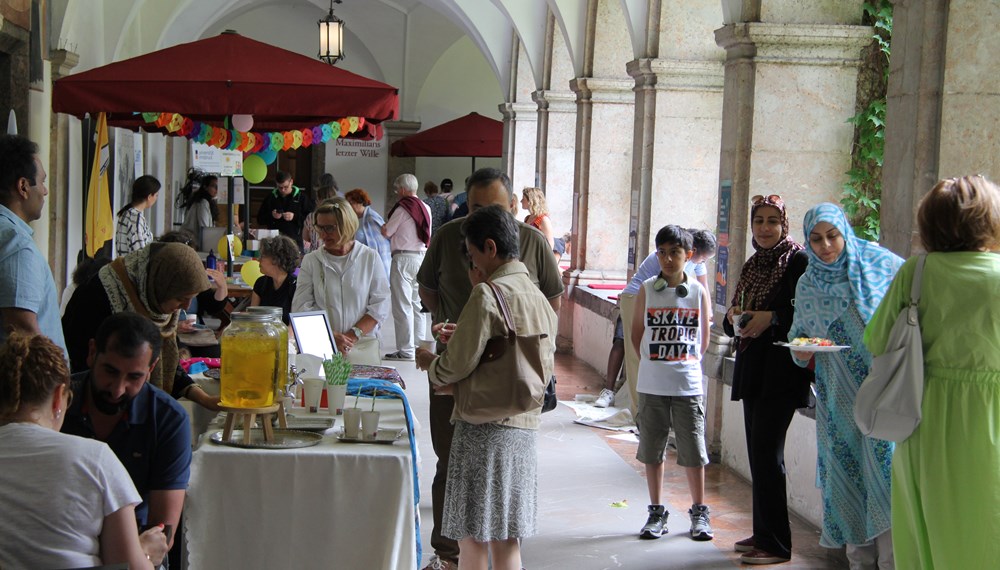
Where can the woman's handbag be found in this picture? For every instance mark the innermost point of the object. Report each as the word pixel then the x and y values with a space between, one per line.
pixel 365 352
pixel 888 402
pixel 511 377
pixel 550 401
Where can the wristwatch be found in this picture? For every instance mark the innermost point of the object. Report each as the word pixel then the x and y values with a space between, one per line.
pixel 357 332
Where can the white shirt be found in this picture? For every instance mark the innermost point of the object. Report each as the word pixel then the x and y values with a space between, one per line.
pixel 402 230
pixel 346 287
pixel 670 351
pixel 55 490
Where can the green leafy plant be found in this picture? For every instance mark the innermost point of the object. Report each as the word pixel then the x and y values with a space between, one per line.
pixel 337 370
pixel 862 196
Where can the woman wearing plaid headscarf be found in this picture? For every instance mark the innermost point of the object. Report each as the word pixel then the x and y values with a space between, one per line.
pixel 766 378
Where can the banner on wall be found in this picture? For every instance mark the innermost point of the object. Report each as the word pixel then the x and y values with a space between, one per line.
pixel 223 196
pixel 722 258
pixel 99 225
pixel 361 164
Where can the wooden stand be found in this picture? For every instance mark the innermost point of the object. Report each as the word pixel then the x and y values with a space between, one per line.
pixel 249 417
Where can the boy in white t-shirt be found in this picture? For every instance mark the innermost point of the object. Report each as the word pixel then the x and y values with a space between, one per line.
pixel 705 246
pixel 670 333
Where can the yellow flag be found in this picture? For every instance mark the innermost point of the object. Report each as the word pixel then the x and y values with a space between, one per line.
pixel 99 226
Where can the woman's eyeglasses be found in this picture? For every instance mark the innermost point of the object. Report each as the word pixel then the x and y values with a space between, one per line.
pixel 773 199
pixel 327 229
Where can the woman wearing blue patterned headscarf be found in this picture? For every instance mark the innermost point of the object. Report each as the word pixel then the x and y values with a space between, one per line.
pixel 834 299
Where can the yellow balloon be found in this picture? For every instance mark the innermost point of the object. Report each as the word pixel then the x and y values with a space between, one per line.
pixel 251 272
pixel 223 247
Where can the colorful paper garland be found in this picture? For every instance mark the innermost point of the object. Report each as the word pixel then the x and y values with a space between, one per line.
pixel 253 142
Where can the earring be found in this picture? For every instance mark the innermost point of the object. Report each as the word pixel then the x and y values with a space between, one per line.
pixel 58 413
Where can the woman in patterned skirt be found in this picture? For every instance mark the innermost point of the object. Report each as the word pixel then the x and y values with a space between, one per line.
pixel 491 491
pixel 835 298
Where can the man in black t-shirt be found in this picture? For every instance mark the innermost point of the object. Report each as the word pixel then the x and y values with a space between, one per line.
pixel 285 208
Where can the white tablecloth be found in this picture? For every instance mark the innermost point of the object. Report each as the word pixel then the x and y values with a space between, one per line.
pixel 334 505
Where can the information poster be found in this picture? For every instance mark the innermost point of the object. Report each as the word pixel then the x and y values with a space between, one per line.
pixel 216 160
pixel 223 196
pixel 722 258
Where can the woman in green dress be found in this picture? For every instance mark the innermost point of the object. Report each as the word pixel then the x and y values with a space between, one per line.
pixel 946 476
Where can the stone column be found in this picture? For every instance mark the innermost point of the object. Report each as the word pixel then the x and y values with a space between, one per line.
pixel 556 130
pixel 678 122
pixel 942 117
pixel 789 90
pixel 62 62
pixel 603 170
pixel 519 140
pixel 396 165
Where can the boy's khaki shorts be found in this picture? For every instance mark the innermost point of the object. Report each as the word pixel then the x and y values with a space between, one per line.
pixel 657 414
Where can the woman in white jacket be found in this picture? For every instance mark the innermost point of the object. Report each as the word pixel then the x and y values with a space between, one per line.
pixel 344 278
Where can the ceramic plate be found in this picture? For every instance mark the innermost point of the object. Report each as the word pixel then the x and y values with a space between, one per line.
pixel 283 439
pixel 383 436
pixel 812 347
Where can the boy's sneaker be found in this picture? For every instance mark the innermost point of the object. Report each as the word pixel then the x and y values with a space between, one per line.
pixel 700 527
pixel 605 399
pixel 654 527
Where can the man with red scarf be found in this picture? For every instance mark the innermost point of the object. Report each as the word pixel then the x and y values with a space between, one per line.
pixel 409 231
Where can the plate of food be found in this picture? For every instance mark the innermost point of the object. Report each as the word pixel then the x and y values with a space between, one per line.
pixel 812 344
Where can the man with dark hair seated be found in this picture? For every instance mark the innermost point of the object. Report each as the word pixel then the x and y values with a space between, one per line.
pixel 145 427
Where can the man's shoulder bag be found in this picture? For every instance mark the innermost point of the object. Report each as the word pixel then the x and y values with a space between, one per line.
pixel 511 377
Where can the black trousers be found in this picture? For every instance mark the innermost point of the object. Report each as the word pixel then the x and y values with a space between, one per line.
pixel 442 432
pixel 766 419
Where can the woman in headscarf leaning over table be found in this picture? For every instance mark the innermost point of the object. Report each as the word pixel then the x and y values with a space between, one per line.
pixel 770 385
pixel 835 298
pixel 155 282
pixel 491 491
pixel 946 475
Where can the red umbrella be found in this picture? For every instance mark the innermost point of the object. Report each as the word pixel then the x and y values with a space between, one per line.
pixel 472 135
pixel 228 74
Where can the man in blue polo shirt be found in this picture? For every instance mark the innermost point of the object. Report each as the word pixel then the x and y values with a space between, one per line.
pixel 145 427
pixel 28 298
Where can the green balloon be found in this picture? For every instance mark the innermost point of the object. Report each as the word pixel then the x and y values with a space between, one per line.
pixel 254 169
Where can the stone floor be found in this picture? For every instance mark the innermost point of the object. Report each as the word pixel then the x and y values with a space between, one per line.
pixel 582 472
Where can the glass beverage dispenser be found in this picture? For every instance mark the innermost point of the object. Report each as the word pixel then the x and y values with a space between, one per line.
pixel 252 352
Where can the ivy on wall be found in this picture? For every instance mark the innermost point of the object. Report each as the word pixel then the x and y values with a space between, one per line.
pixel 863 189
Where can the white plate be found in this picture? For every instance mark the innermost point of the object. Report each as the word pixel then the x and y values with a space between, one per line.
pixel 812 347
